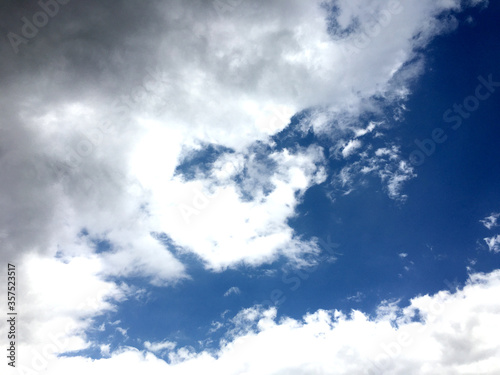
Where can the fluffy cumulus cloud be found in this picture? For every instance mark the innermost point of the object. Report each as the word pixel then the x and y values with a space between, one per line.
pixel 444 333
pixel 59 300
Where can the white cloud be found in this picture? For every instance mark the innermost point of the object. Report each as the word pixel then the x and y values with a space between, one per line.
pixel 403 255
pixel 386 163
pixel 491 221
pixel 123 331
pixel 456 333
pixel 257 226
pixel 105 350
pixel 215 326
pixel 57 302
pixel 493 243
pixel 397 178
pixel 158 347
pixel 392 153
pixel 358 297
pixel 371 127
pixel 232 290
pixel 351 147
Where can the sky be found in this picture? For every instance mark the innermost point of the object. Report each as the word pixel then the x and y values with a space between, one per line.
pixel 250 187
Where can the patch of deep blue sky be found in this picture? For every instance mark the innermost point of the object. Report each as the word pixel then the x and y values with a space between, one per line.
pixel 437 226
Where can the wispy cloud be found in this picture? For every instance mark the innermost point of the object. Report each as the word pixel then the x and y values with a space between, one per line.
pixel 491 221
pixel 351 147
pixel 358 297
pixel 385 163
pixel 493 243
pixel 105 350
pixel 123 331
pixel 396 179
pixel 158 347
pixel 232 290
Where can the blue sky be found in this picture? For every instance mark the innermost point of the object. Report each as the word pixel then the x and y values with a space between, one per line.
pixel 253 187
